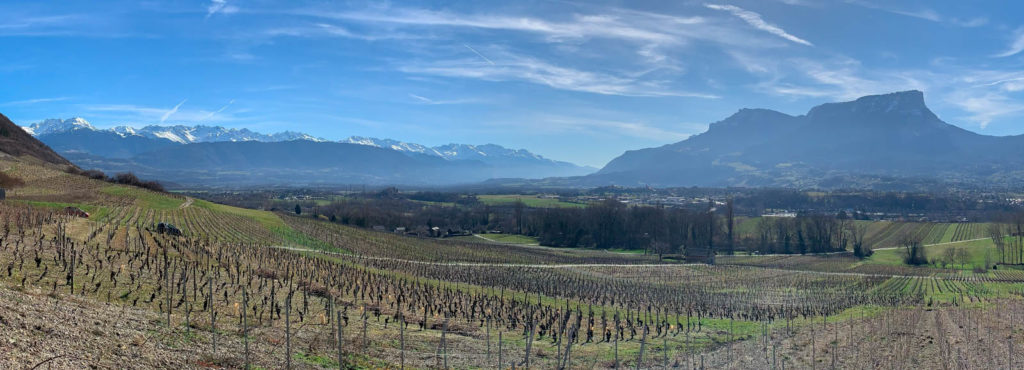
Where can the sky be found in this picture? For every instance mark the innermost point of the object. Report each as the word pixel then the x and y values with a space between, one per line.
pixel 575 81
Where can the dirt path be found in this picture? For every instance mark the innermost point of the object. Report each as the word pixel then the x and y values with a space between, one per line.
pixel 188 202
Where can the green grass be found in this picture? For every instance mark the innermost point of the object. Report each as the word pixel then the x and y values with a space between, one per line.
pixel 510 238
pixel 145 198
pixel 95 212
pixel 268 220
pixel 976 251
pixel 528 200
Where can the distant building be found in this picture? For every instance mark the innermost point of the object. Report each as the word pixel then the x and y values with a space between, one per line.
pixel 399 230
pixel 379 228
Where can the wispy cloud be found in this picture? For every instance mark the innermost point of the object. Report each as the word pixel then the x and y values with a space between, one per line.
pixel 582 26
pixel 1016 46
pixel 514 67
pixel 35 101
pixel 922 13
pixel 172 111
pixel 559 124
pixel 984 108
pixel 755 20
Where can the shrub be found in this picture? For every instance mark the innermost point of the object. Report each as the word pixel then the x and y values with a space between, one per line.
pixel 8 181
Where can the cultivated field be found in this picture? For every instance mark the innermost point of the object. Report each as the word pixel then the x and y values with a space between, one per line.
pixel 274 290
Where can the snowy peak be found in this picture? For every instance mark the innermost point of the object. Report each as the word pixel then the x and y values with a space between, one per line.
pixel 181 134
pixel 56 125
pixel 453 151
pixel 392 144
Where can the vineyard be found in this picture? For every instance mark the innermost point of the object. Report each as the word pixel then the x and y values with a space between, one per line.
pixel 243 287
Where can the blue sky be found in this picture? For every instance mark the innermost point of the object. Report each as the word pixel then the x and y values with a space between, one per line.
pixel 581 82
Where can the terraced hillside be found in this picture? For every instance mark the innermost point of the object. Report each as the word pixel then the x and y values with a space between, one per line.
pixel 271 290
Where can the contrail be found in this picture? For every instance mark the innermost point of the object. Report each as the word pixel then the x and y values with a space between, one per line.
pixel 478 53
pixel 172 111
pixel 219 110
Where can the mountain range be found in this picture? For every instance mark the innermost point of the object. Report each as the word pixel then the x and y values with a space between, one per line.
pixel 879 141
pixel 213 152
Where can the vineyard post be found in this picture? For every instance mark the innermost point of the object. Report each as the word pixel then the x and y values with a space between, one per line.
pixel 813 365
pixel 213 317
pixel 529 344
pixel 489 339
pixel 835 344
pixel 341 337
pixel 665 347
pixel 568 349
pixel 71 273
pixel 364 327
pixel 444 342
pixel 643 344
pixel 188 307
pixel 401 326
pixel 167 285
pixel 288 331
pixel 245 324
pixel 616 335
pixel 499 349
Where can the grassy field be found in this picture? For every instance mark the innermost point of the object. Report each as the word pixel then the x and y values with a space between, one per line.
pixel 978 252
pixel 528 200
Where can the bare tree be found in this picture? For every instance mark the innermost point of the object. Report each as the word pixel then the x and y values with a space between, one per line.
pixel 998 235
pixel 913 250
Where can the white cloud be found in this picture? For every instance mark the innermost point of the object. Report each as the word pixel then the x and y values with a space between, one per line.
pixel 755 20
pixel 555 124
pixel 35 101
pixel 513 67
pixel 984 108
pixel 220 6
pixel 1016 46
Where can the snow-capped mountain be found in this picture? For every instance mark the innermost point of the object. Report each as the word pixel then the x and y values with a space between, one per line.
pixel 392 144
pixel 178 133
pixel 56 125
pixel 489 153
pixel 214 148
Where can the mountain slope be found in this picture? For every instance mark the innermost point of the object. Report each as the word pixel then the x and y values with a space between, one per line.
pixel 16 142
pixel 891 135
